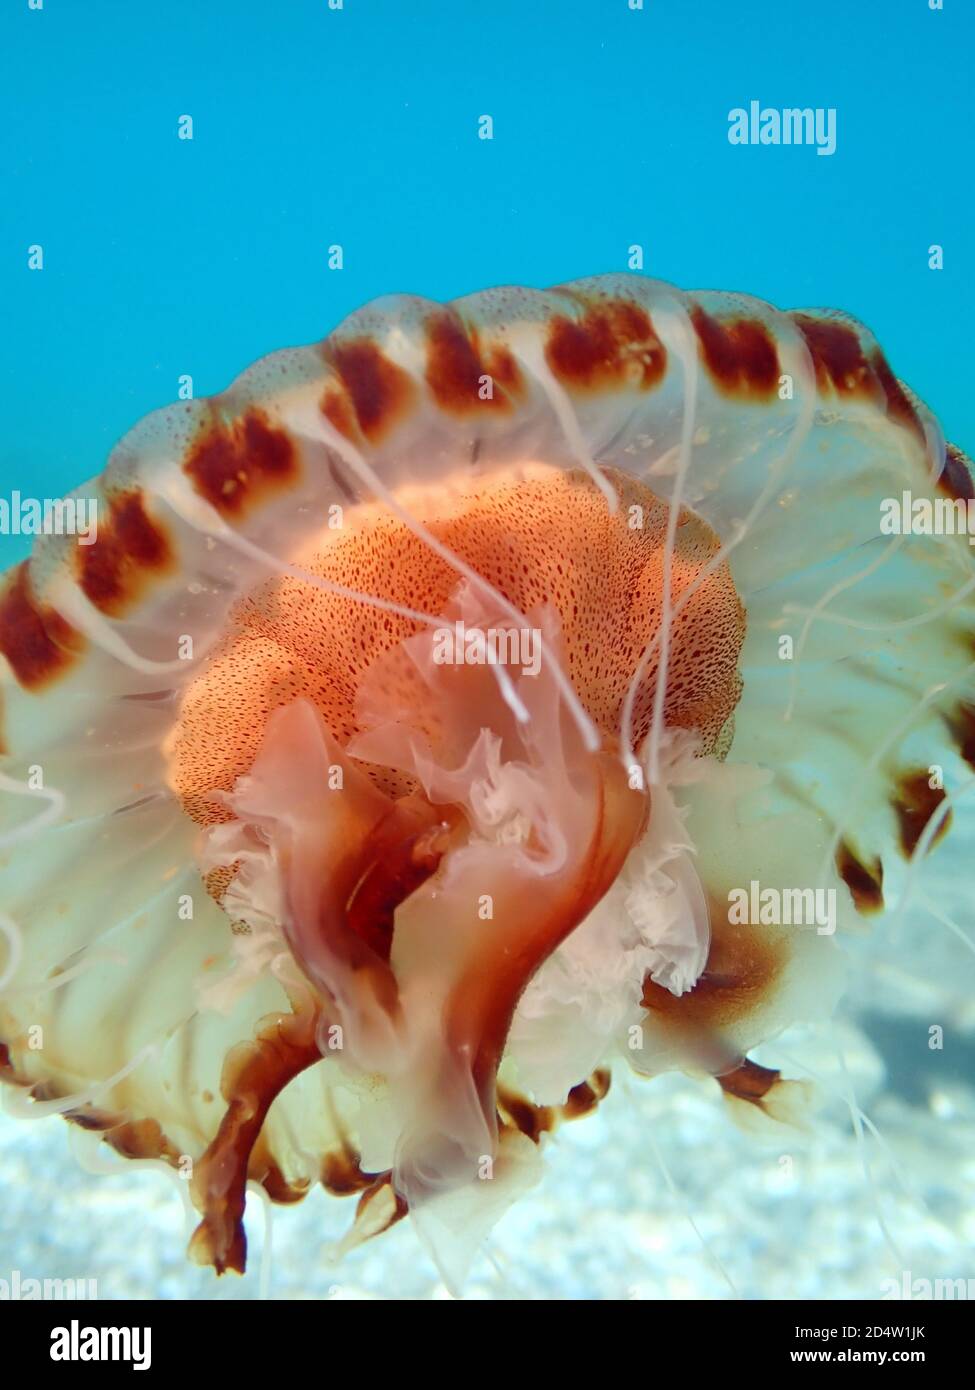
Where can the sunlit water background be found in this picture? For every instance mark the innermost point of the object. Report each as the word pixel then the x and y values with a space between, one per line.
pixel 358 127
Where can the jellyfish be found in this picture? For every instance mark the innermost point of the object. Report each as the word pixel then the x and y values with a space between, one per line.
pixel 395 764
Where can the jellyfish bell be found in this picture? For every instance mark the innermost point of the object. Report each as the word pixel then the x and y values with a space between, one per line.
pixel 385 770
